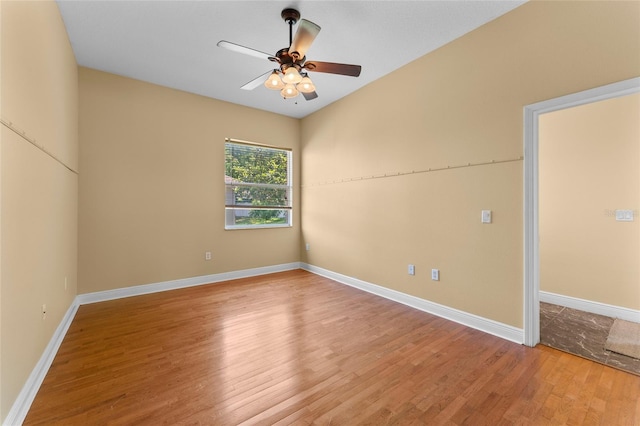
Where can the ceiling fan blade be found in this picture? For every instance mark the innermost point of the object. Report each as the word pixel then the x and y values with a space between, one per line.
pixel 333 68
pixel 245 50
pixel 306 33
pixel 310 96
pixel 258 81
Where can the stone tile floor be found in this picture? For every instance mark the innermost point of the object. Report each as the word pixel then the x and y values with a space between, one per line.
pixel 583 334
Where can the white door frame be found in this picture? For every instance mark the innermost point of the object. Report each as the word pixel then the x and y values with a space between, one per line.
pixel 531 225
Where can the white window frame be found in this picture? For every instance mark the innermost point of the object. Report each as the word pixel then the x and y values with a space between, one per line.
pixel 229 184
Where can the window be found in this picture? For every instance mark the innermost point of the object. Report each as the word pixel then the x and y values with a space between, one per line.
pixel 258 186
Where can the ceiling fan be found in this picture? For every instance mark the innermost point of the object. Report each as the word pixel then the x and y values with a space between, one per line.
pixel 291 76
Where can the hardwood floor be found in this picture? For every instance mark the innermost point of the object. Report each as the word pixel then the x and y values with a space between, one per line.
pixel 296 348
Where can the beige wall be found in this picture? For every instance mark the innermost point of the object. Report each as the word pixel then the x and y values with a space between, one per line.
pixel 38 194
pixel 461 104
pixel 589 167
pixel 152 184
pixel 151 167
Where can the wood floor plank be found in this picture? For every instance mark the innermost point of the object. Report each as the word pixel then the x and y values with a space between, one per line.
pixel 297 348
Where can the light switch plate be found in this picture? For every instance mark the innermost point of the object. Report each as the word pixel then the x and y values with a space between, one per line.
pixel 486 216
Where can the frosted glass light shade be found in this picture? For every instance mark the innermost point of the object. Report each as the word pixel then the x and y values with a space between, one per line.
pixel 274 82
pixel 306 85
pixel 291 76
pixel 289 91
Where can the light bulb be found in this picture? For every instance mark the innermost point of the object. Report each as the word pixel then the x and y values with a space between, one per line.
pixel 289 91
pixel 291 75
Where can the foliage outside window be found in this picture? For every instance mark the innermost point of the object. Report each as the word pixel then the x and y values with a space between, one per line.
pixel 258 186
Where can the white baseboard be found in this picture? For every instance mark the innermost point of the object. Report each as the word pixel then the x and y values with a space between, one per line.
pixel 590 306
pixel 25 398
pixel 21 406
pixel 495 328
pixel 102 296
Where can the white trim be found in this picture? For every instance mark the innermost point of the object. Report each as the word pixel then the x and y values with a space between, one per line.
pixel 120 293
pixel 25 398
pixel 470 320
pixel 590 306
pixel 531 260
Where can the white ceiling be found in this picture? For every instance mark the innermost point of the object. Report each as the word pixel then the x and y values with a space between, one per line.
pixel 173 43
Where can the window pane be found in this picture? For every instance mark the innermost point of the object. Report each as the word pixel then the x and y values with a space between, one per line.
pixel 253 195
pixel 256 217
pixel 249 164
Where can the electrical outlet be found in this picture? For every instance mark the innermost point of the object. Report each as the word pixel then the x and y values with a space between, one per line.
pixel 435 274
pixel 307 246
pixel 207 255
pixel 411 270
pixel 624 215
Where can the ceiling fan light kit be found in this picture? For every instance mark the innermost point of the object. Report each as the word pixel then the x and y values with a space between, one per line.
pixel 290 84
pixel 291 78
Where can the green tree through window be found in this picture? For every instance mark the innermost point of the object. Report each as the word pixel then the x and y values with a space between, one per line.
pixel 258 186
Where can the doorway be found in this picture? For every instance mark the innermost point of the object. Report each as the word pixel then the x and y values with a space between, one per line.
pixel 532 115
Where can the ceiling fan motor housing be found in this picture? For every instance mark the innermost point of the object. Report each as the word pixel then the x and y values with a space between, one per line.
pixel 286 60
